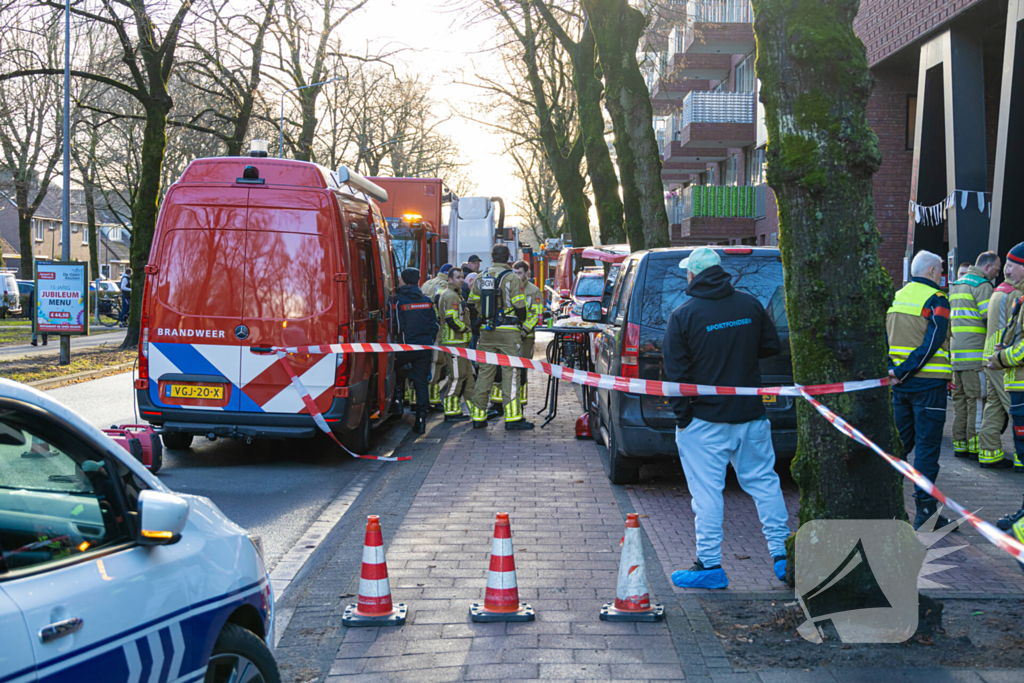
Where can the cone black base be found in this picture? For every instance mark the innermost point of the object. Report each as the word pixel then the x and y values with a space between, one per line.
pixel 352 618
pixel 609 613
pixel 479 614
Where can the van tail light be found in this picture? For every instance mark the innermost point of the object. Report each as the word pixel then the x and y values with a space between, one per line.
pixel 342 368
pixel 142 381
pixel 631 352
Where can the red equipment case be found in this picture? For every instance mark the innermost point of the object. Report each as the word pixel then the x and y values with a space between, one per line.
pixel 142 441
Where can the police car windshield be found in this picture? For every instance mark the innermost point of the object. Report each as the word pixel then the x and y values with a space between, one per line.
pixel 665 286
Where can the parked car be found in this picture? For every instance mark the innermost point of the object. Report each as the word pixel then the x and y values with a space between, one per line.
pixel 108 575
pixel 26 289
pixel 639 429
pixel 589 286
pixel 252 252
pixel 10 297
pixel 570 262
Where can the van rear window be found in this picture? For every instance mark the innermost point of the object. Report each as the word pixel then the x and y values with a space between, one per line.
pixel 287 276
pixel 665 287
pixel 199 271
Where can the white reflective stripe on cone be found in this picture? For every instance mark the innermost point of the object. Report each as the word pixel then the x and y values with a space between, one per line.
pixel 374 589
pixel 373 554
pixel 501 547
pixel 632 583
pixel 501 580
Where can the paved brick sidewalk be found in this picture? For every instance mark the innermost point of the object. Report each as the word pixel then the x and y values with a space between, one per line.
pixel 979 568
pixel 566 528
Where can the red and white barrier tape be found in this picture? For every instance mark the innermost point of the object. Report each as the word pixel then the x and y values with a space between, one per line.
pixel 994 535
pixel 647 387
pixel 654 388
pixel 318 417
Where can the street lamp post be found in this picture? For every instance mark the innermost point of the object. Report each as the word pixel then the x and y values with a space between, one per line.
pixel 65 247
pixel 280 144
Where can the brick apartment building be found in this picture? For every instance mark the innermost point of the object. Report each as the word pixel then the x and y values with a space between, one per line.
pixel 948 123
pixel 113 249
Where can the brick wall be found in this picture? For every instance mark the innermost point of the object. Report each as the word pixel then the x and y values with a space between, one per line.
pixel 886 26
pixel 887 116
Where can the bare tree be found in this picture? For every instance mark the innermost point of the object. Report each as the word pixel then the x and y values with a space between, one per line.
pixel 304 33
pixel 30 137
pixel 540 75
pixel 224 61
pixel 617 28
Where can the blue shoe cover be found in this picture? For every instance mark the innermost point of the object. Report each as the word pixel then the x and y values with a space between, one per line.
pixel 709 578
pixel 780 569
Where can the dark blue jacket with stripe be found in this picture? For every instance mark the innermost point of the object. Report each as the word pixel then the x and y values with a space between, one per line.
pixel 415 320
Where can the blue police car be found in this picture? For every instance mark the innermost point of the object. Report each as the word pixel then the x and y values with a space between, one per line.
pixel 108 576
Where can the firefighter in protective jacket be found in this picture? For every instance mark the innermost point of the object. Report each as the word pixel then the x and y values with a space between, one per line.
pixel 534 311
pixel 917 326
pixel 968 298
pixel 499 299
pixel 455 331
pixel 416 324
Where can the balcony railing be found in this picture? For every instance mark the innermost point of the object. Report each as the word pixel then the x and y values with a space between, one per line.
pixel 720 11
pixel 717 107
pixel 721 201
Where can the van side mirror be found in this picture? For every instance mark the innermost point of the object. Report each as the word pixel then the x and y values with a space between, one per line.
pixel 550 282
pixel 162 517
pixel 592 312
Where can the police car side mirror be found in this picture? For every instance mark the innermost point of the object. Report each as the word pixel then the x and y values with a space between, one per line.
pixel 162 517
pixel 592 312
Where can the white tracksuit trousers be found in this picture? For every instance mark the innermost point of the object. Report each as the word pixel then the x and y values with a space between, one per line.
pixel 705 449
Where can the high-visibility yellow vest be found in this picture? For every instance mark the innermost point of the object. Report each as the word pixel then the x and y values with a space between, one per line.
pixel 969 298
pixel 907 325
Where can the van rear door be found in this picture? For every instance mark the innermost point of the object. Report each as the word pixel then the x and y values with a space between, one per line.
pixel 197 302
pixel 290 298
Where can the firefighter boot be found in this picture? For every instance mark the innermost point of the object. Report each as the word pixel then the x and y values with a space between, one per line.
pixel 1006 522
pixel 420 426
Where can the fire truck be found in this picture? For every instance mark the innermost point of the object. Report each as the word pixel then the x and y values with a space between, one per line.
pixel 430 225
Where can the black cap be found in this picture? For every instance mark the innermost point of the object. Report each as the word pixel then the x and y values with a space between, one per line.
pixel 473 259
pixel 411 276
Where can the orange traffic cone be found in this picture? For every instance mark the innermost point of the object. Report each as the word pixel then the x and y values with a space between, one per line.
pixel 632 597
pixel 501 601
pixel 374 607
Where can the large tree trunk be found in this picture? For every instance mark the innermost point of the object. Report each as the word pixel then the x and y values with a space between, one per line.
pixel 144 211
pixel 307 107
pixel 821 157
pixel 26 238
pixel 617 29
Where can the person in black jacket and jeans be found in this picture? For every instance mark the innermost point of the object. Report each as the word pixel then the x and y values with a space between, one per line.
pixel 716 338
pixel 416 324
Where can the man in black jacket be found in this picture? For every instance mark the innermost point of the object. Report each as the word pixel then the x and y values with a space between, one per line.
pixel 716 338
pixel 416 324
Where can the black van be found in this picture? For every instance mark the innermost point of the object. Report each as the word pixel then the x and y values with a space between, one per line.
pixel 650 285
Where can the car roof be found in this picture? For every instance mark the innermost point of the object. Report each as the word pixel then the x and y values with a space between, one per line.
pixel 26 394
pixel 676 251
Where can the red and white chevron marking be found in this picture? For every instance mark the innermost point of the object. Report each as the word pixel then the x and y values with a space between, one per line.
pixel 318 417
pixel 374 588
pixel 646 387
pixel 502 590
pixel 994 535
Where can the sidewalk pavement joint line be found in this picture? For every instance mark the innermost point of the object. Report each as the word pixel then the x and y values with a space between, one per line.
pixel 292 562
pixel 693 622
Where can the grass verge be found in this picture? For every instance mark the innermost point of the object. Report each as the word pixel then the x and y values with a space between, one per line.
pixel 32 368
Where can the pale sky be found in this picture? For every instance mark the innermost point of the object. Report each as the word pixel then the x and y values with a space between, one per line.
pixel 443 47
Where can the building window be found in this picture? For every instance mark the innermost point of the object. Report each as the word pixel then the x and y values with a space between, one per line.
pixel 775 239
pixel 114 234
pixel 755 166
pixel 731 166
pixel 911 121
pixel 37 230
pixel 745 75
pixel 711 174
pixel 85 235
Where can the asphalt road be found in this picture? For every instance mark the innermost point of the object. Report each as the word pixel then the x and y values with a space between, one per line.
pixel 275 489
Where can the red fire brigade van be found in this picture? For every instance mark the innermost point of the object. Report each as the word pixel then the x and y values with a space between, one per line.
pixel 257 252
